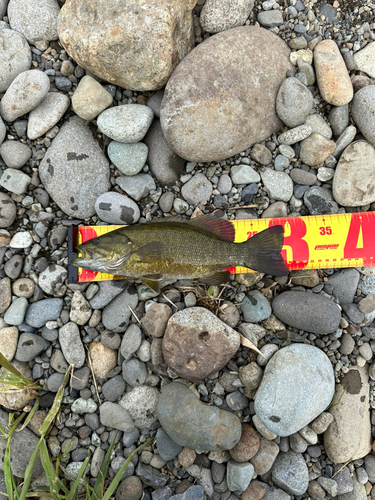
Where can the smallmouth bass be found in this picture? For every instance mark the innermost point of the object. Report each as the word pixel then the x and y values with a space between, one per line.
pixel 165 250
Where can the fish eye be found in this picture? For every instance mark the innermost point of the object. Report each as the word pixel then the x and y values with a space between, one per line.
pixel 95 242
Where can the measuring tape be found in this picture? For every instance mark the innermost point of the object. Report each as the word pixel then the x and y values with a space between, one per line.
pixel 315 242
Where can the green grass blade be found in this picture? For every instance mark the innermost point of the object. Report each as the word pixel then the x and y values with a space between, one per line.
pixel 49 469
pixel 8 366
pixel 99 483
pixel 8 475
pixel 56 405
pixel 30 415
pixel 116 480
pixel 81 472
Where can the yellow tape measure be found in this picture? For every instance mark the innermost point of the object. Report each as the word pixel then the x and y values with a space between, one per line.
pixel 315 242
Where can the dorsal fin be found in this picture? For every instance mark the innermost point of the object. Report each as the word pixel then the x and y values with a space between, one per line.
pixel 221 228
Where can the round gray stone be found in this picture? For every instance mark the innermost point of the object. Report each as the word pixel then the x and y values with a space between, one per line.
pixel 15 181
pixel 15 313
pixel 128 158
pixel 339 119
pixel 134 372
pixel 126 123
pixel 244 174
pixel 197 190
pixel 307 311
pixel 167 448
pixel 116 208
pixel 15 154
pixel 298 384
pixel 278 184
pixel 255 307
pixel 42 311
pixel 294 102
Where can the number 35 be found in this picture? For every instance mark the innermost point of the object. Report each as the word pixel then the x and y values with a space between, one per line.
pixel 325 230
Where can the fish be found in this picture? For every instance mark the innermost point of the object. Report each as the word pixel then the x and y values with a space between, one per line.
pixel 165 250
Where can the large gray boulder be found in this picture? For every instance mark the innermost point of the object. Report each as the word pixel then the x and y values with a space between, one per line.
pixel 133 44
pixel 221 98
pixel 74 170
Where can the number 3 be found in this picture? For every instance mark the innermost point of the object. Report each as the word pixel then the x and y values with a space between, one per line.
pixel 325 230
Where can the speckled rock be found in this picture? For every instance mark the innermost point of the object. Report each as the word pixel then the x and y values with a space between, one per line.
pixel 278 184
pixel 47 114
pixel 71 344
pixel 302 397
pixel 25 92
pixel 36 21
pixel 363 112
pixel 141 402
pixel 294 135
pixel 103 359
pixel 80 310
pixel 221 16
pixel 197 190
pixel 8 341
pixel 290 473
pixel 126 59
pixel 213 124
pixel 331 74
pixel 15 154
pixel 116 208
pixel 74 170
pixel 208 343
pixel 126 123
pixel 307 311
pixel 51 280
pixel 354 180
pixel 15 57
pixel 349 435
pixel 198 426
pixel 90 98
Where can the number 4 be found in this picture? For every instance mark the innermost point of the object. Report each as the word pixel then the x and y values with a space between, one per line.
pixel 325 230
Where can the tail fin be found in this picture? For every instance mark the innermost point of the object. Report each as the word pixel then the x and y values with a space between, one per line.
pixel 263 252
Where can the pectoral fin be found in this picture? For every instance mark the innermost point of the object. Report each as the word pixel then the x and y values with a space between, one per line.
pixel 216 278
pixel 153 281
pixel 150 252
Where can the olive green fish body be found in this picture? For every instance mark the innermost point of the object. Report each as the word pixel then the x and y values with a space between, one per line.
pixel 161 252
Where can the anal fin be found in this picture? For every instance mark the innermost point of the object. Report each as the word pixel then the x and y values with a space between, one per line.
pixel 216 278
pixel 153 281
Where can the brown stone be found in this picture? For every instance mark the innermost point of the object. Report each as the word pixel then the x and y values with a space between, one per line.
pixel 37 420
pixel 247 446
pixel 133 44
pixel 221 98
pixel 103 359
pixel 315 149
pixel 155 320
pixel 331 74
pixel 264 459
pixel 254 491
pixel 305 277
pixel 196 343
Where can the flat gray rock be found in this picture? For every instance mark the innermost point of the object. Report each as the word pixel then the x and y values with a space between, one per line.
pixel 137 186
pixel 116 314
pixel 128 158
pixel 38 313
pixel 307 311
pixel 15 57
pixel 197 190
pixel 74 170
pixel 202 121
pixel 15 154
pixel 192 423
pixel 297 385
pixel 290 473
pixel 15 181
pixel 126 123
pixel 320 201
pixel 113 415
pixel 47 114
pixel 71 344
